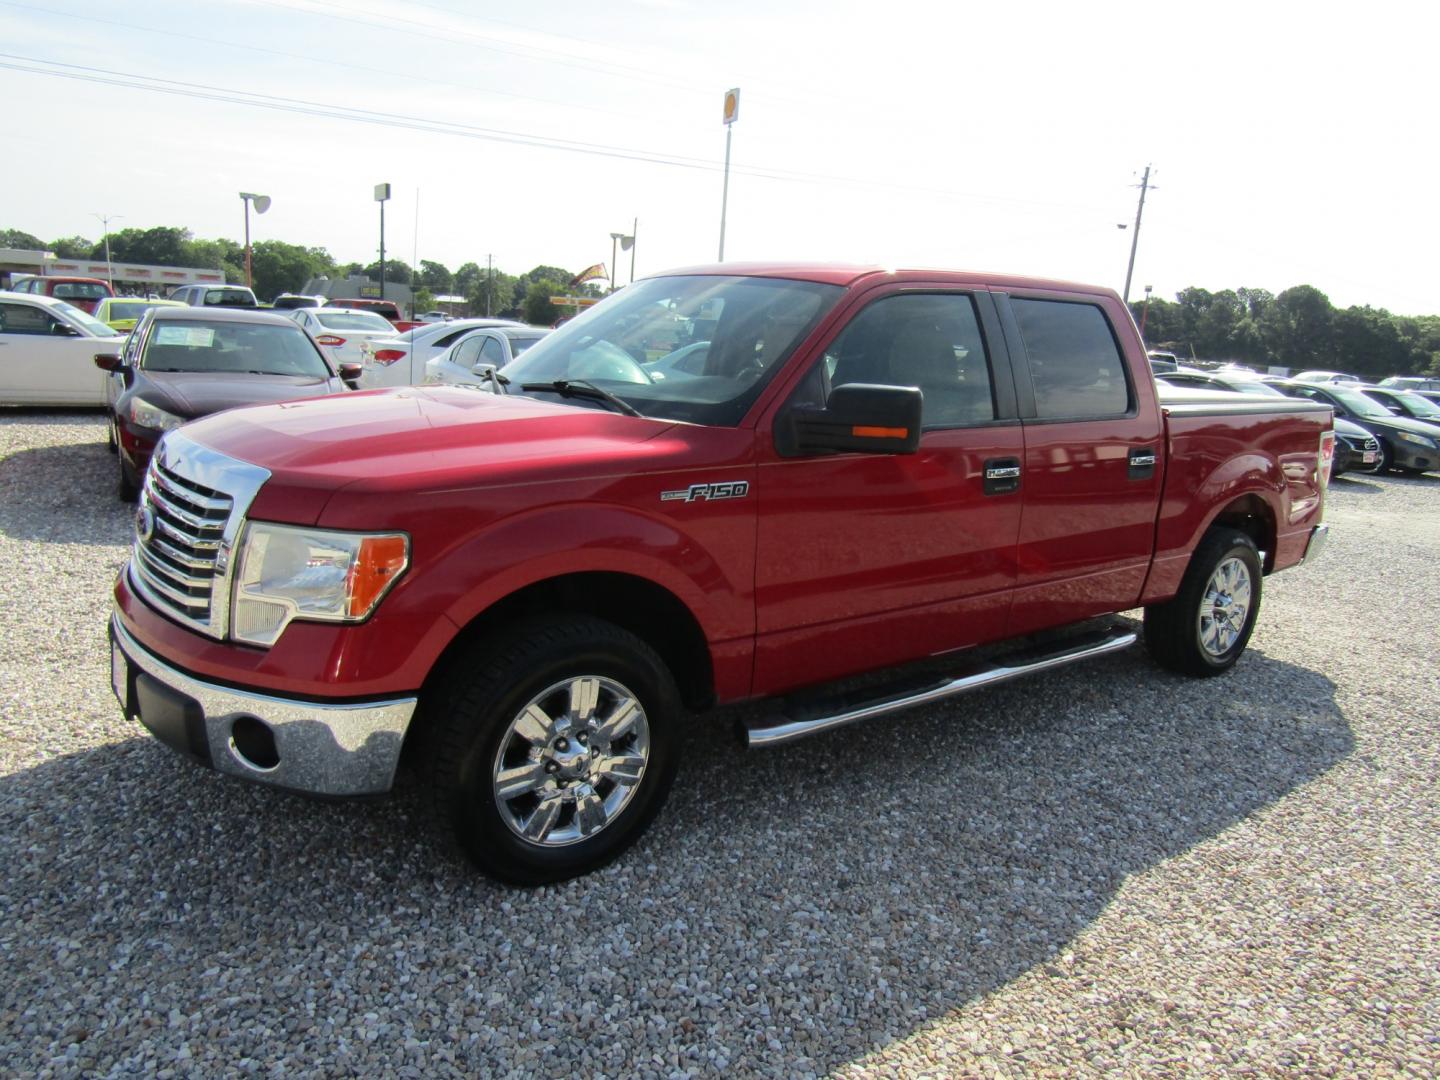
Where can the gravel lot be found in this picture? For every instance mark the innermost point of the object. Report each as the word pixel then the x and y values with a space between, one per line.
pixel 1106 870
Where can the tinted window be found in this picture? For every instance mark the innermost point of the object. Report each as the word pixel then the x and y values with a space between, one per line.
pixel 352 320
pixel 1074 362
pixel 229 298
pixel 80 290
pixel 24 319
pixel 519 343
pixel 492 353
pixel 932 341
pixel 467 353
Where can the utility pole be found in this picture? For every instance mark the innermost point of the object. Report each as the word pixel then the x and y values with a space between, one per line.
pixel 489 283
pixel 634 231
pixel 1135 236
pixel 105 220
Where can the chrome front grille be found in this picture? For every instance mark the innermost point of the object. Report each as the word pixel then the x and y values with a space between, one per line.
pixel 192 509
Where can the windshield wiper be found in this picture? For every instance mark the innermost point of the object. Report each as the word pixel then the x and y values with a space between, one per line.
pixel 585 389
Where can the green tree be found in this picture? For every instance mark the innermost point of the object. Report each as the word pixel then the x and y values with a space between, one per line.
pixel 280 267
pixel 163 245
pixel 14 238
pixel 537 308
pixel 77 247
pixel 424 300
pixel 435 276
pixel 220 254
pixel 396 270
pixel 467 277
pixel 1298 328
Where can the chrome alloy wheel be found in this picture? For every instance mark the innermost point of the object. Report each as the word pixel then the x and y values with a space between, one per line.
pixel 571 760
pixel 1225 607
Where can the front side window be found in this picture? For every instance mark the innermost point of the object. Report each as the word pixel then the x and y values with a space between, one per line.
pixel 622 344
pixel 928 340
pixel 1075 364
pixel 467 353
pixel 491 352
pixel 194 345
pixel 24 319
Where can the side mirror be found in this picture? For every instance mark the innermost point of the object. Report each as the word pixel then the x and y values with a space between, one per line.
pixel 859 418
pixel 483 368
pixel 350 373
pixel 61 330
pixel 108 362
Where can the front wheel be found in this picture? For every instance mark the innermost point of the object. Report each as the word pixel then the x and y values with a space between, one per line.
pixel 1387 457
pixel 1206 626
pixel 550 755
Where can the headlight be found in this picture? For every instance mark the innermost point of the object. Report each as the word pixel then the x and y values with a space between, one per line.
pixel 292 573
pixel 1418 440
pixel 143 414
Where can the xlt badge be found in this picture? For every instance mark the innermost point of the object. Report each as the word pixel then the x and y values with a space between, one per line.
pixel 729 489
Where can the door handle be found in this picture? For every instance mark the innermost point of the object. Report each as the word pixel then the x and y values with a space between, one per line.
pixel 1002 476
pixel 1142 462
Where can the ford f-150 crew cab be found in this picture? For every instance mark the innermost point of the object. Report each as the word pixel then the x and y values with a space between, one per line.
pixel 725 483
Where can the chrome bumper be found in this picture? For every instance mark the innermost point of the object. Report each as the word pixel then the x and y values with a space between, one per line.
pixel 1316 544
pixel 315 748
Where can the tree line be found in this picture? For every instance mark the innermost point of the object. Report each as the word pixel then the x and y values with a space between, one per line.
pixel 278 267
pixel 1298 329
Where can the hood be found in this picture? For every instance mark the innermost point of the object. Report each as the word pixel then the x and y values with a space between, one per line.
pixel 200 393
pixel 1400 423
pixel 411 438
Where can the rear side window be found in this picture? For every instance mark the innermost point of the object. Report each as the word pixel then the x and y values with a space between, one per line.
pixel 1075 364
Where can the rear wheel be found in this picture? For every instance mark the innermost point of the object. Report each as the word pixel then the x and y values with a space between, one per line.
pixel 1205 628
pixel 549 756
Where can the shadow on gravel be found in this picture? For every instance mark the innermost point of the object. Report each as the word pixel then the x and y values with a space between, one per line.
pixel 790 911
pixel 63 494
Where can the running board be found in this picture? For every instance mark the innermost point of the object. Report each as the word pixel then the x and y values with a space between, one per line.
pixel 789 726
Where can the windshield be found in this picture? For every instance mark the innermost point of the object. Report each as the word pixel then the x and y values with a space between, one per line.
pixel 1246 386
pixel 80 290
pixel 622 344
pixel 132 310
pixel 88 321
pixel 352 320
pixel 196 345
pixel 1417 405
pixel 1359 404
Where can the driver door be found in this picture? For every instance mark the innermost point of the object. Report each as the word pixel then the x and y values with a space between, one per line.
pixel 44 360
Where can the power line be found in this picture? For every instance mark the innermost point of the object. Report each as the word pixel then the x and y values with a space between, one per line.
pixel 207 92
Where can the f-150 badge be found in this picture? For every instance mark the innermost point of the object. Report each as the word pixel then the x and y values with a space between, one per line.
pixel 730 489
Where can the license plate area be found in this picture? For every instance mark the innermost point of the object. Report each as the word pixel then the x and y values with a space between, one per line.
pixel 1370 457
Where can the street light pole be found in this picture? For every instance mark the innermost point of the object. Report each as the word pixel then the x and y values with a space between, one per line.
pixel 730 115
pixel 614 239
pixel 105 220
pixel 1145 311
pixel 262 203
pixel 382 193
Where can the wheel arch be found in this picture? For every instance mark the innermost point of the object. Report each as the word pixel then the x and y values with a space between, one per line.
pixel 644 608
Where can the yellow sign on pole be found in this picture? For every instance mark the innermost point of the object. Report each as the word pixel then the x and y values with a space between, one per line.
pixel 732 105
pixel 576 301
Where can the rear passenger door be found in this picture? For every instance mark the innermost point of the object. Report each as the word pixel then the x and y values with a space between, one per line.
pixel 1093 459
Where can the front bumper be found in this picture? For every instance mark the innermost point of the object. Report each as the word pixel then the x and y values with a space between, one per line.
pixel 317 748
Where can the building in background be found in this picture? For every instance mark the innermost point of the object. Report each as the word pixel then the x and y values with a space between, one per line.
pixel 129 278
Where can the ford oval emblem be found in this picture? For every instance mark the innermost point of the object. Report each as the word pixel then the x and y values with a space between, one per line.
pixel 144 524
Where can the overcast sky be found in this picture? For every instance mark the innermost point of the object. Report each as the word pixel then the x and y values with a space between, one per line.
pixel 1291 144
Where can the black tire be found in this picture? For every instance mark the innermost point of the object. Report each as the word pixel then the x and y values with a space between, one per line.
pixel 470 717
pixel 128 487
pixel 1176 631
pixel 1387 457
pixel 110 443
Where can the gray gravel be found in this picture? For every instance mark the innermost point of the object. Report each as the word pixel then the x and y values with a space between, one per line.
pixel 1107 870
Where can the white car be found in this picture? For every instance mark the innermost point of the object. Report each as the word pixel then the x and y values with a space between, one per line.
pixel 400 360
pixel 342 331
pixel 1338 378
pixel 47 352
pixel 469 360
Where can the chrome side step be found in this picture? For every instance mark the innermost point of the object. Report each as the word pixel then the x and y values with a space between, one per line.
pixel 788 727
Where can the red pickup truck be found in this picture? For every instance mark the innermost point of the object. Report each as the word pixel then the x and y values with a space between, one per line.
pixel 724 483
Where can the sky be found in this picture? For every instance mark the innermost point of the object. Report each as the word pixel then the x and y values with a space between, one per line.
pixel 1289 144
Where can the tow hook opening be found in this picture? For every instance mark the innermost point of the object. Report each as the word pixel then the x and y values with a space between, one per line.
pixel 253 744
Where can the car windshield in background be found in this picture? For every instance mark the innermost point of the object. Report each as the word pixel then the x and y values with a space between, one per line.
pixel 1359 404
pixel 519 343
pixel 1418 405
pixel 128 311
pixel 80 290
pixel 228 298
pixel 85 319
pixel 621 345
pixel 1245 386
pixel 352 320
pixel 232 347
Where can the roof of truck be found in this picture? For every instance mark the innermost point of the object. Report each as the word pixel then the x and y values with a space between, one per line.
pixel 827 273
